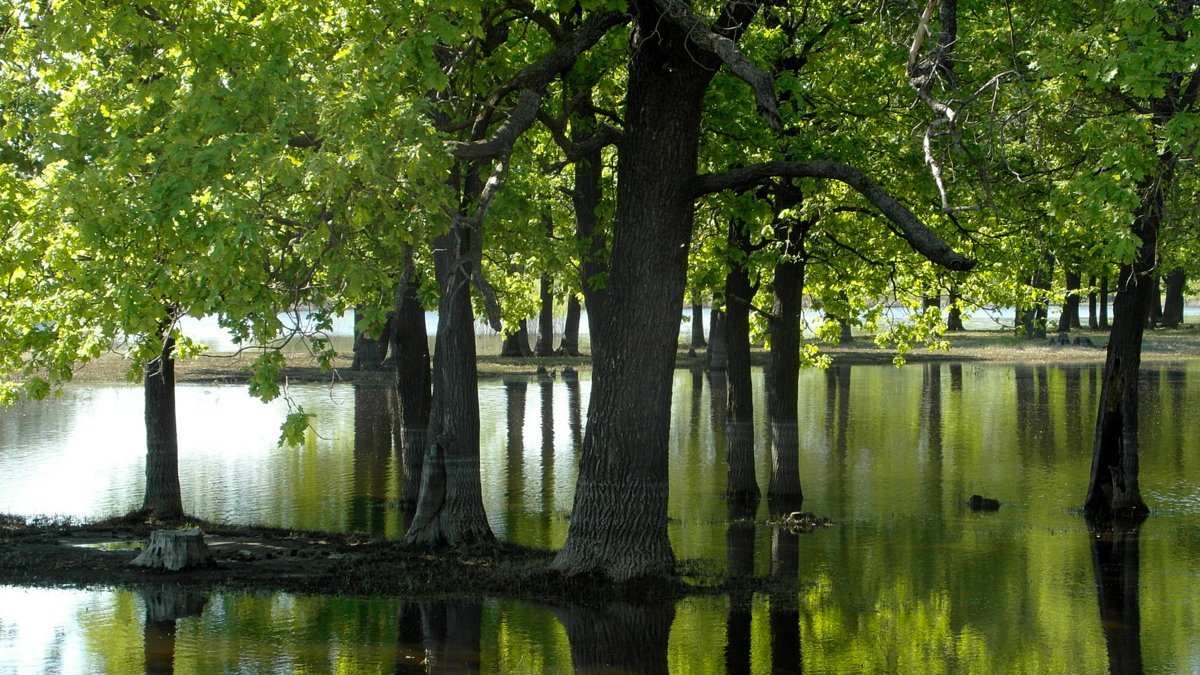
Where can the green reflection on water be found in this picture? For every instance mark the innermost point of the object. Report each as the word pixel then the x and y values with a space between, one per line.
pixel 908 579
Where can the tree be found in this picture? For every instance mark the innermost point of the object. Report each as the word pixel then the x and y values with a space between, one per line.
pixel 618 527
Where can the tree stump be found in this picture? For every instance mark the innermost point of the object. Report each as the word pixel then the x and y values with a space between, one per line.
pixel 175 550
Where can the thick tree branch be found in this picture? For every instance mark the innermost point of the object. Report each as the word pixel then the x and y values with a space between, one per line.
pixel 920 237
pixel 532 82
pixel 725 49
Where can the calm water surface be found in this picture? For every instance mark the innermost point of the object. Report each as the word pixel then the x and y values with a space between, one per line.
pixel 908 580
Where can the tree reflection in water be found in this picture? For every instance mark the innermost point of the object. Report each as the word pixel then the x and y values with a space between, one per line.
pixel 165 605
pixel 619 637
pixel 439 636
pixel 1115 566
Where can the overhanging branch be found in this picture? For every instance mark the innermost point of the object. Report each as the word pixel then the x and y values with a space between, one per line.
pixel 916 233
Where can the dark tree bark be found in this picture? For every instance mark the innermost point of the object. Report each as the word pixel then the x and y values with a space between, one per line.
pixel 369 352
pixel 783 373
pixel 717 356
pixel 1115 565
pixel 1104 302
pixel 954 320
pixel 545 341
pixel 585 199
pixel 570 338
pixel 741 485
pixel 515 394
pixel 1113 490
pixel 1093 307
pixel 1031 321
pixel 163 499
pixel 413 386
pixel 619 523
pixel 1155 314
pixel 516 343
pixel 450 506
pixel 1070 310
pixel 739 557
pixel 698 341
pixel 1176 281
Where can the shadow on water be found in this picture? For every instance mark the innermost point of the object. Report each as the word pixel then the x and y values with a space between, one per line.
pixel 1115 564
pixel 439 636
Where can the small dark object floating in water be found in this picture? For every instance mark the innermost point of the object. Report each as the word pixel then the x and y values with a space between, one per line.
pixel 980 503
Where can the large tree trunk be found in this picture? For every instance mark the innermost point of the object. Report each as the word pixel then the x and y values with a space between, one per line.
pixel 450 506
pixel 570 338
pixel 413 382
pixel 783 373
pixel 619 524
pixel 1176 280
pixel 1113 491
pixel 741 485
pixel 163 499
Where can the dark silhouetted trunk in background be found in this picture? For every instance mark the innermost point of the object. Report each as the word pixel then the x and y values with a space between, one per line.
pixel 1070 310
pixel 717 356
pixel 164 498
pixel 741 485
pixel 1104 302
pixel 619 637
pixel 570 338
pixel 1093 306
pixel 545 341
pixel 413 386
pixel 783 373
pixel 369 352
pixel 1113 490
pixel 1175 282
pixel 1115 565
pixel 619 522
pixel 1155 314
pixel 450 506
pixel 954 321
pixel 585 200
pixel 516 343
pixel 1031 320
pixel 698 341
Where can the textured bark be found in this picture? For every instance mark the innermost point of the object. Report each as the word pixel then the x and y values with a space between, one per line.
pixel 413 384
pixel 164 498
pixel 450 505
pixel 619 637
pixel 1115 565
pixel 570 338
pixel 1176 281
pixel 741 486
pixel 1113 490
pixel 619 524
pixel 175 550
pixel 698 341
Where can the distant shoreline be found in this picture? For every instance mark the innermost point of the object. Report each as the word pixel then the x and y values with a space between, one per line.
pixel 1160 345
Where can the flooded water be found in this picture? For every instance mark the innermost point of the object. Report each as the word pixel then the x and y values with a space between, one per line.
pixel 906 580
